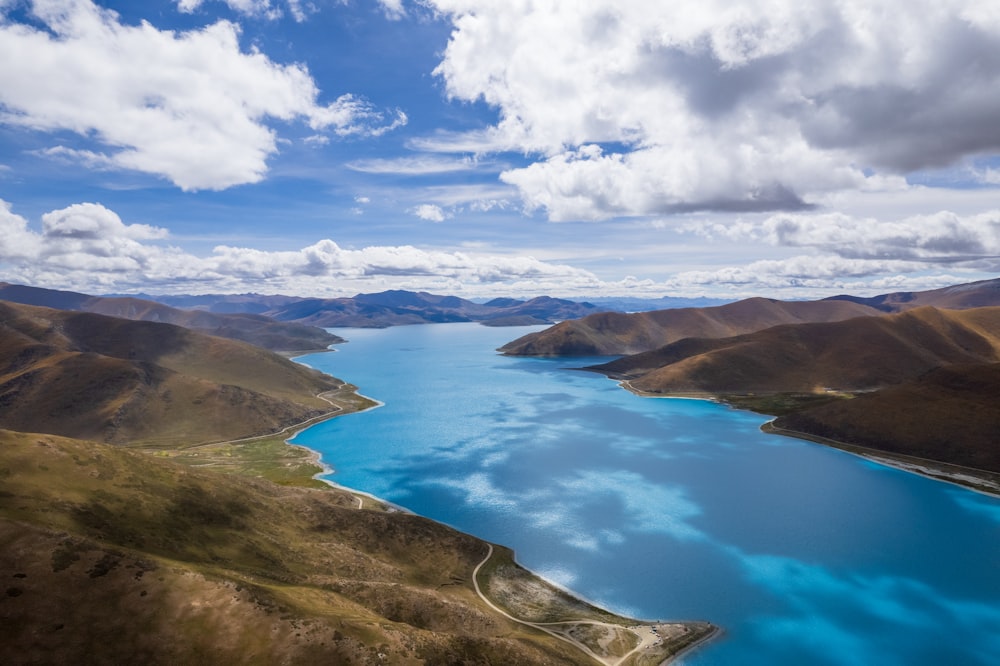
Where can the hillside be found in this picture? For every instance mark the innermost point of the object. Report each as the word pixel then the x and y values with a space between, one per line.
pixel 612 333
pixel 984 293
pixel 858 354
pixel 253 328
pixel 112 556
pixel 160 544
pixel 114 380
pixel 951 414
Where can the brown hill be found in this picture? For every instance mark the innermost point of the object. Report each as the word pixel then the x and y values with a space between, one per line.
pixel 950 414
pixel 111 556
pixel 612 333
pixel 115 380
pixel 255 329
pixel 864 353
pixel 985 293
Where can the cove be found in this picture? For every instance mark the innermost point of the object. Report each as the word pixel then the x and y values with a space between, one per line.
pixel 667 508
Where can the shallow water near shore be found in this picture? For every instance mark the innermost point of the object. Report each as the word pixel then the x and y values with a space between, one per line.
pixel 668 509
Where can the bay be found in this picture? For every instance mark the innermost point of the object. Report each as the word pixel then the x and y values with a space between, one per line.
pixel 668 508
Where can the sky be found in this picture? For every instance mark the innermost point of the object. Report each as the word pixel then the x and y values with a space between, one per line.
pixel 482 148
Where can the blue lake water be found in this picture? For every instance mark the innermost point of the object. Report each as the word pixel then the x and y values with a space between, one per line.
pixel 669 509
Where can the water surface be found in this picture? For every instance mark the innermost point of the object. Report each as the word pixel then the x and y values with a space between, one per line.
pixel 668 508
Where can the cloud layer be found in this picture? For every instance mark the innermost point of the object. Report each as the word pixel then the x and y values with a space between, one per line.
pixel 88 247
pixel 188 106
pixel 640 108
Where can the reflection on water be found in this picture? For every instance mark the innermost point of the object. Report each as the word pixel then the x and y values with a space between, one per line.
pixel 673 509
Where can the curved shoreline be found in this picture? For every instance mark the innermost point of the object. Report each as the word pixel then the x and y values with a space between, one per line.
pixel 968 478
pixel 316 458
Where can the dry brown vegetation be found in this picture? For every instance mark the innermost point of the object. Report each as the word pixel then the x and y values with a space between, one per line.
pixel 923 382
pixel 611 333
pixel 113 380
pixel 855 355
pixel 174 547
pixel 257 330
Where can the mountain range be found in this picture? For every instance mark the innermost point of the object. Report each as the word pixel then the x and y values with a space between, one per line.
pixel 253 328
pixel 388 308
pixel 910 373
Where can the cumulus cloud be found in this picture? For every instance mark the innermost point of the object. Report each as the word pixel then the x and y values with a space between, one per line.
pixel 940 237
pixel 638 108
pixel 256 8
pixel 88 247
pixel 188 106
pixel 429 212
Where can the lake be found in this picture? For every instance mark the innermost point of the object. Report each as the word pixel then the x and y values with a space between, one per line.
pixel 668 508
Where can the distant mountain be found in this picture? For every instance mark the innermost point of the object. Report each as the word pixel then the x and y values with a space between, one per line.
pixel 612 333
pixel 255 329
pixel 959 297
pixel 392 308
pixel 113 380
pixel 859 354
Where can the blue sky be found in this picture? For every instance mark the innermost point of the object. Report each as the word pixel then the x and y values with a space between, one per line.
pixel 332 147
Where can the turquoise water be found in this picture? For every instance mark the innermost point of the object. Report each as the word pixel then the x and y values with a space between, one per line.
pixel 669 509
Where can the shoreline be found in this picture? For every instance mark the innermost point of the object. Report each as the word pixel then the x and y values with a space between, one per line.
pixel 316 458
pixel 968 478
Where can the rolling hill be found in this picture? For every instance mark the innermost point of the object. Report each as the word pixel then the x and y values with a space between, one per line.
pixel 612 333
pixel 983 293
pixel 949 414
pixel 91 376
pixel 253 328
pixel 860 354
pixel 160 544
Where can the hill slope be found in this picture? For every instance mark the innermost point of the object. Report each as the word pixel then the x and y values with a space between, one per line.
pixel 112 556
pixel 984 293
pixel 612 333
pixel 253 328
pixel 858 354
pixel 114 380
pixel 948 414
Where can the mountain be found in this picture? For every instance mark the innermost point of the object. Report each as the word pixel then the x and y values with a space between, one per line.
pixel 948 414
pixel 255 329
pixel 860 354
pixel 399 308
pixel 160 544
pixel 109 379
pixel 612 333
pixel 958 297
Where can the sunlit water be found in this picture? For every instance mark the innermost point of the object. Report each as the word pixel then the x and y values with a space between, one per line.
pixel 669 509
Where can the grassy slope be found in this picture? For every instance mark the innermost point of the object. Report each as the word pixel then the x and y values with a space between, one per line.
pixel 111 556
pixel 859 354
pixel 257 330
pixel 929 380
pixel 948 414
pixel 86 375
pixel 188 553
pixel 613 333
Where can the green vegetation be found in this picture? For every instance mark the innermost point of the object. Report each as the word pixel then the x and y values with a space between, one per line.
pixel 780 404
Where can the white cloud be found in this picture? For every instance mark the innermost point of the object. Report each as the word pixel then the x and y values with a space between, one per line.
pixel 649 108
pixel 940 237
pixel 189 106
pixel 429 212
pixel 393 9
pixel 413 166
pixel 87 247
pixel 255 8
